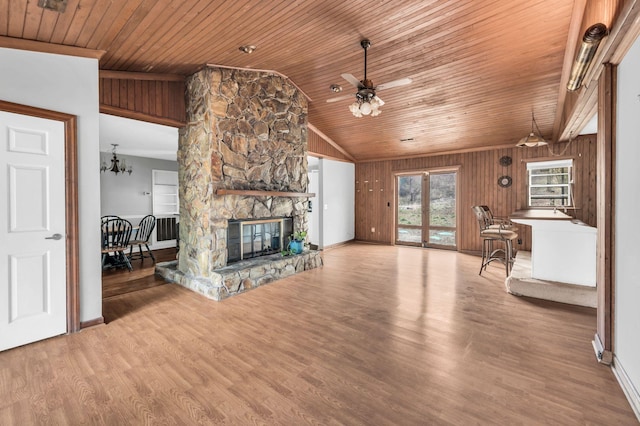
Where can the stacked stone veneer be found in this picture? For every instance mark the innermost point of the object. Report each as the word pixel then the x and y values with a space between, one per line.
pixel 245 130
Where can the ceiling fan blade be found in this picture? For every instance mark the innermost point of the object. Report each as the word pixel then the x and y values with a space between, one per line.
pixel 351 79
pixel 380 101
pixel 394 83
pixel 340 98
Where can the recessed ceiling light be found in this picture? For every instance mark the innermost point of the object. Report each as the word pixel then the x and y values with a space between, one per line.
pixel 247 48
pixel 335 88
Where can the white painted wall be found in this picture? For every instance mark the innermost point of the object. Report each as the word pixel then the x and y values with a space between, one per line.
pixel 337 214
pixel 70 85
pixel 314 215
pixel 124 195
pixel 627 237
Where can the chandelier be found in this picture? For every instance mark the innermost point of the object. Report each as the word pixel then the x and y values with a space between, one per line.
pixel 116 165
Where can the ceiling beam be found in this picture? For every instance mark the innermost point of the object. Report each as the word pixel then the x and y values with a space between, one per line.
pixel 38 46
pixel 581 105
pixel 575 29
pixel 125 113
pixel 330 142
pixel 127 75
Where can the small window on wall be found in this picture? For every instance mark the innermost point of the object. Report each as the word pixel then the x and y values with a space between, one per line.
pixel 550 183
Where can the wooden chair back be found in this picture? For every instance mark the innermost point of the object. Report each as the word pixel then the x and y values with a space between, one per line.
pixel 116 233
pixel 145 228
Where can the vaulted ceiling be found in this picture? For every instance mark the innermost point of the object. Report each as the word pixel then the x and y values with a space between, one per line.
pixel 479 67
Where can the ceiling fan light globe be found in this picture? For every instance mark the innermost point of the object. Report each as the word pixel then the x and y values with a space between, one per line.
pixel 375 112
pixel 365 108
pixel 355 109
pixel 378 100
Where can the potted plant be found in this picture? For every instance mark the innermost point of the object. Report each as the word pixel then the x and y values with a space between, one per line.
pixel 296 243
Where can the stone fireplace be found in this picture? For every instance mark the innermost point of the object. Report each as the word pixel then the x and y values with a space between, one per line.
pixel 242 157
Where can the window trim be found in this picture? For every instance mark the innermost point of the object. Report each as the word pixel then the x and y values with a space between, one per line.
pixel 543 163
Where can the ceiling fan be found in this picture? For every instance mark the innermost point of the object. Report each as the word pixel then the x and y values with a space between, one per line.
pixel 367 102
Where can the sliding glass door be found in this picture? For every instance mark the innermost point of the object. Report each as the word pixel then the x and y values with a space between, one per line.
pixel 409 223
pixel 442 210
pixel 426 209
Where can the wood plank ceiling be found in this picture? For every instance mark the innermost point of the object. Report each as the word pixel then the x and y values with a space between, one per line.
pixel 479 67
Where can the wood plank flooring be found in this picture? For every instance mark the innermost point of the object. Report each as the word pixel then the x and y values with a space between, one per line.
pixel 380 335
pixel 121 281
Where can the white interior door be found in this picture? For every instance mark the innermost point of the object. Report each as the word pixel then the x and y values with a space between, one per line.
pixel 32 230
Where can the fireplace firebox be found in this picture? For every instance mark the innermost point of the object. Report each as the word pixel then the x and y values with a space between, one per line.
pixel 251 238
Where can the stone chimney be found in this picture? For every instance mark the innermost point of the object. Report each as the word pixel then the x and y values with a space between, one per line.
pixel 246 130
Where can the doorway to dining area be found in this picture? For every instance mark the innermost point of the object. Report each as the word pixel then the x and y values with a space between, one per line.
pixel 148 187
pixel 426 208
pixel 134 199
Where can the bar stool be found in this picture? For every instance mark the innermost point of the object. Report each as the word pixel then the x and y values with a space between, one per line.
pixel 498 222
pixel 489 233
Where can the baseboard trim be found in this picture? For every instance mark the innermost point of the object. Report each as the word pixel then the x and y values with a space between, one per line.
pixel 91 323
pixel 336 245
pixel 627 386
pixel 377 243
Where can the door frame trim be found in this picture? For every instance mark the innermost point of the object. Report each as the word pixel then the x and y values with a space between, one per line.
pixel 426 172
pixel 71 202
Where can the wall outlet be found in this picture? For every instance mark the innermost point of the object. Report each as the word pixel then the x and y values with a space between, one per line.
pixel 519 240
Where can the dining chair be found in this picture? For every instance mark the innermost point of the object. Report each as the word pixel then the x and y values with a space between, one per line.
pixel 145 228
pixel 103 222
pixel 116 233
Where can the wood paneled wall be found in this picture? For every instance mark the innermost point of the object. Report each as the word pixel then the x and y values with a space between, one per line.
pixel 478 184
pixel 157 101
pixel 319 147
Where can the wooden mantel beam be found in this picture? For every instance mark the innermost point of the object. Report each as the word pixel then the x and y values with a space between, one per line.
pixel 258 193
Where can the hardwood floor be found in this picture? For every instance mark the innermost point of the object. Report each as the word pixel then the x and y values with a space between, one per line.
pixel 120 281
pixel 380 335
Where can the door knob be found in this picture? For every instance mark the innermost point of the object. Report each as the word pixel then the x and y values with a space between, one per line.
pixel 54 237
